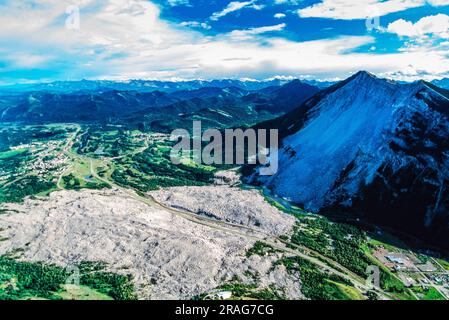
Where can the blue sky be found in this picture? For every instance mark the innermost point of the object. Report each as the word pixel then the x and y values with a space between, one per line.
pixel 45 40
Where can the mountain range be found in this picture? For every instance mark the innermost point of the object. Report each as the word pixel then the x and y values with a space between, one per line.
pixel 158 110
pixel 371 149
pixel 150 85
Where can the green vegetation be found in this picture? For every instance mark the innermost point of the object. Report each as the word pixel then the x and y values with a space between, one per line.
pixel 349 292
pixel 443 263
pixel 75 182
pixel 390 283
pixel 153 169
pixel 243 291
pixel 238 289
pixel 347 245
pixel 71 182
pixel 261 249
pixel 12 153
pixel 276 204
pixel 25 280
pixel 137 160
pixel 27 186
pixel 21 280
pixel 270 293
pixel 116 286
pixel 340 242
pixel 428 293
pixel 108 141
pixel 74 292
pixel 317 285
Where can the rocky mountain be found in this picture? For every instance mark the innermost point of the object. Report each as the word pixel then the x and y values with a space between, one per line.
pixel 373 149
pixel 443 83
pixel 292 94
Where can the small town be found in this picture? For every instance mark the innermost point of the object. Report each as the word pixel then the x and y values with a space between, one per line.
pixel 416 270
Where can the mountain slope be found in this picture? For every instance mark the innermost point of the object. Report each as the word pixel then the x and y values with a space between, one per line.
pixel 293 94
pixel 443 83
pixel 224 110
pixel 49 107
pixel 220 107
pixel 223 107
pixel 373 148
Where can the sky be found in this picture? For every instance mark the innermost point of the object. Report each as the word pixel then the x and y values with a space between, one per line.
pixel 45 40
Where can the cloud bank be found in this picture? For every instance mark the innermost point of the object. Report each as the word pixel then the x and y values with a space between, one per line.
pixel 128 39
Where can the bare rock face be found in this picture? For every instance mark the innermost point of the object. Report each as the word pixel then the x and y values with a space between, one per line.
pixel 170 257
pixel 234 205
pixel 372 149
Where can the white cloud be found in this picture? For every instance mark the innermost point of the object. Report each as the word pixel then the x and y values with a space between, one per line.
pixel 175 3
pixel 195 24
pixel 290 2
pixel 249 33
pixel 123 39
pixel 362 9
pixel 437 26
pixel 280 15
pixel 26 60
pixel 438 2
pixel 235 6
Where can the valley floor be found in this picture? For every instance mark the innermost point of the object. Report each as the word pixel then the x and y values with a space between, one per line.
pixel 192 239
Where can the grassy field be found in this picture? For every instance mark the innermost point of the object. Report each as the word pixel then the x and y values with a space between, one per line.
pixel 80 176
pixel 428 293
pixel 153 169
pixel 443 263
pixel 74 292
pixel 12 153
pixel 348 292
pixel 25 280
pixel 100 142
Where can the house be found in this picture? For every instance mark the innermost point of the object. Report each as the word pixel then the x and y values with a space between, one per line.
pixel 224 295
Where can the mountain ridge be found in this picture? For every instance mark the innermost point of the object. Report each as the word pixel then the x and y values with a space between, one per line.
pixel 150 85
pixel 156 109
pixel 360 148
